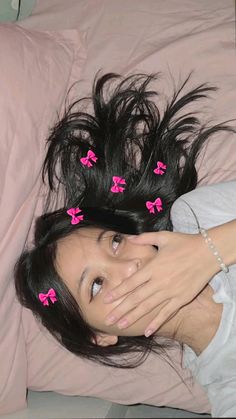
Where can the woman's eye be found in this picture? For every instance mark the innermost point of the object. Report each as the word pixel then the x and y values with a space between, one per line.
pixel 116 240
pixel 96 287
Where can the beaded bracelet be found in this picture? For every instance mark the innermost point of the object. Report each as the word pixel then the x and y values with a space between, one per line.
pixel 214 250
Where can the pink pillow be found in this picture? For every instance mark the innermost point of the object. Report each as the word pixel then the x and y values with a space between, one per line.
pixel 36 72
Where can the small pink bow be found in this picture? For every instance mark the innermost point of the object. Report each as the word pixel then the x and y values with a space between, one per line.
pixel 156 204
pixel 160 169
pixel 75 218
pixel 90 156
pixel 44 297
pixel 116 188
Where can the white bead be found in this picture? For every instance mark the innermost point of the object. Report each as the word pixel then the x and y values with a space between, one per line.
pixel 212 247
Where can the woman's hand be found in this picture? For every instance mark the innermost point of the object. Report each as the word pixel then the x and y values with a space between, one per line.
pixel 180 270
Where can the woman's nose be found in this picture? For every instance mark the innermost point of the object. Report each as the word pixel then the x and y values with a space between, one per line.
pixel 127 268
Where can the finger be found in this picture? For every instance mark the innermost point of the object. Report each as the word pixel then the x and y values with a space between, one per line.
pixel 165 314
pixel 133 307
pixel 127 286
pixel 129 304
pixel 154 238
pixel 139 312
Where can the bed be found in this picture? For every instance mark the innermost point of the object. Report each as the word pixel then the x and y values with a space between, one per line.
pixel 60 43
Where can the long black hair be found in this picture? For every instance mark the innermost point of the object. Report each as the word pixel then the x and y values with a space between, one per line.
pixel 122 124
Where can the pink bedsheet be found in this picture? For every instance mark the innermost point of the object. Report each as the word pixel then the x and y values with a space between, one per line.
pixel 172 37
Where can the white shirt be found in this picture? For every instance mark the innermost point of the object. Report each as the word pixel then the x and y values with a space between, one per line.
pixel 215 368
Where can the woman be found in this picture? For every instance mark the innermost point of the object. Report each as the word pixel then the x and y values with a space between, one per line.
pixel 125 166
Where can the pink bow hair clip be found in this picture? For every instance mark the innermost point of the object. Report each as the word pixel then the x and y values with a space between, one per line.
pixel 160 169
pixel 51 295
pixel 116 188
pixel 157 204
pixel 75 218
pixel 91 157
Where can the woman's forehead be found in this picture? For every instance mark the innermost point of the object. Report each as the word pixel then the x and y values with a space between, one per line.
pixel 78 244
pixel 80 234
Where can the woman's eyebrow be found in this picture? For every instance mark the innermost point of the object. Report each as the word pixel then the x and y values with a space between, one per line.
pixel 83 276
pixel 100 236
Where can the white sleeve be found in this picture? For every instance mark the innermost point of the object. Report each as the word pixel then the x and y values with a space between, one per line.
pixel 224 400
pixel 221 378
pixel 213 205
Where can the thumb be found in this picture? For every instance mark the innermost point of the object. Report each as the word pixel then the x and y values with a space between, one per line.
pixel 153 238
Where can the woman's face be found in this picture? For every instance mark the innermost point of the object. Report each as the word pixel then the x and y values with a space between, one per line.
pixel 93 261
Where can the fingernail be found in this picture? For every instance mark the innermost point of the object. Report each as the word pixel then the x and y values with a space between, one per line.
pixel 148 333
pixel 108 298
pixel 123 323
pixel 110 320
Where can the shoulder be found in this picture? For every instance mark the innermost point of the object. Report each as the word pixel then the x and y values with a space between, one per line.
pixel 211 204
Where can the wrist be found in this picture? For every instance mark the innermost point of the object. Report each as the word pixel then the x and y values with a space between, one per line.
pixel 223 240
pixel 210 264
pixel 214 250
